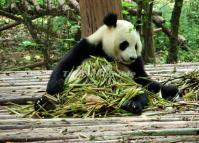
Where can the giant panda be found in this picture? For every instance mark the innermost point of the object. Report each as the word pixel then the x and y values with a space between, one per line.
pixel 114 40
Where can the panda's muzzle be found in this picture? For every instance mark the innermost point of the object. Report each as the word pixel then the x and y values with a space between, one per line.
pixel 131 60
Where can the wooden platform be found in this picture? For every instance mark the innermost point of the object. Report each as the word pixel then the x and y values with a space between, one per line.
pixel 22 86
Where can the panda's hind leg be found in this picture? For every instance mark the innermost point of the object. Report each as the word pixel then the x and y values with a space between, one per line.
pixel 136 104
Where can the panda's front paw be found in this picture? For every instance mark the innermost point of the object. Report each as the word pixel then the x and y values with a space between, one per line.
pixel 169 92
pixel 55 87
pixel 43 104
pixel 133 107
pixel 136 104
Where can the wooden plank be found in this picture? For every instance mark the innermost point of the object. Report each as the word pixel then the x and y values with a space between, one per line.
pixel 148 67
pixel 39 87
pixel 100 121
pixel 4 114
pixel 18 99
pixel 38 77
pixel 5 117
pixel 27 93
pixel 25 79
pixel 174 65
pixel 31 72
pixel 141 139
pixel 10 84
pixel 47 73
pixel 171 68
pixel 95 126
pixel 167 71
pixel 45 134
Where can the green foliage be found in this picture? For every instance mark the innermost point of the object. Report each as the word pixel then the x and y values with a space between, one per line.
pixel 192 11
pixel 125 11
pixel 41 2
pixel 27 44
pixel 3 2
pixel 67 29
pixel 127 6
pixel 189 28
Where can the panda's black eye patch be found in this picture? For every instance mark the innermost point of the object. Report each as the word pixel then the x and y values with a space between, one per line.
pixel 136 47
pixel 124 45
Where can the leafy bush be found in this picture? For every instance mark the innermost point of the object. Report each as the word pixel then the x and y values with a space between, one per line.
pixel 67 30
pixel 26 44
pixel 189 28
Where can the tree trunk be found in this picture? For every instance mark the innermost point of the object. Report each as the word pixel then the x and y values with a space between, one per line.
pixel 139 16
pixel 92 13
pixel 148 50
pixel 175 21
pixel 47 45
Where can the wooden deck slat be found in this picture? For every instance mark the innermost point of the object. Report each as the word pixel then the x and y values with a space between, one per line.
pixel 181 117
pixel 23 87
pixel 47 74
pixel 19 99
pixel 141 139
pixel 105 126
pixel 19 94
pixel 19 78
pixel 148 67
pixel 39 134
pixel 10 84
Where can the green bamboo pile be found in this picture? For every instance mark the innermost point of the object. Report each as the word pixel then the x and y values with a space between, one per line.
pixel 99 89
pixel 188 83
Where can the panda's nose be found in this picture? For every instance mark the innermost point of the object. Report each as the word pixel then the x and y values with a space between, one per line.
pixel 132 58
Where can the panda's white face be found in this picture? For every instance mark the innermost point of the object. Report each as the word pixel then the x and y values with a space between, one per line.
pixel 121 42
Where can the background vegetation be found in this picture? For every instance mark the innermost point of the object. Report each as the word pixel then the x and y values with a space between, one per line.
pixel 189 29
pixel 18 48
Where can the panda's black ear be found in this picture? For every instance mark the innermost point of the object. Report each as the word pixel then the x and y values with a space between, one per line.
pixel 110 20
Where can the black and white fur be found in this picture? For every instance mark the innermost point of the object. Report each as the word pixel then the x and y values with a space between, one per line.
pixel 115 40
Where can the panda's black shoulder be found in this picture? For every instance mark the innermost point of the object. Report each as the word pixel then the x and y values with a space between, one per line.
pixel 110 20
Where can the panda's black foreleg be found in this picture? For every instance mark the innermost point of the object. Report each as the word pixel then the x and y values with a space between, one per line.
pixel 141 77
pixel 70 61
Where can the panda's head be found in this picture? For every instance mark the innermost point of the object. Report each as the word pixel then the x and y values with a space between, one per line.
pixel 119 39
